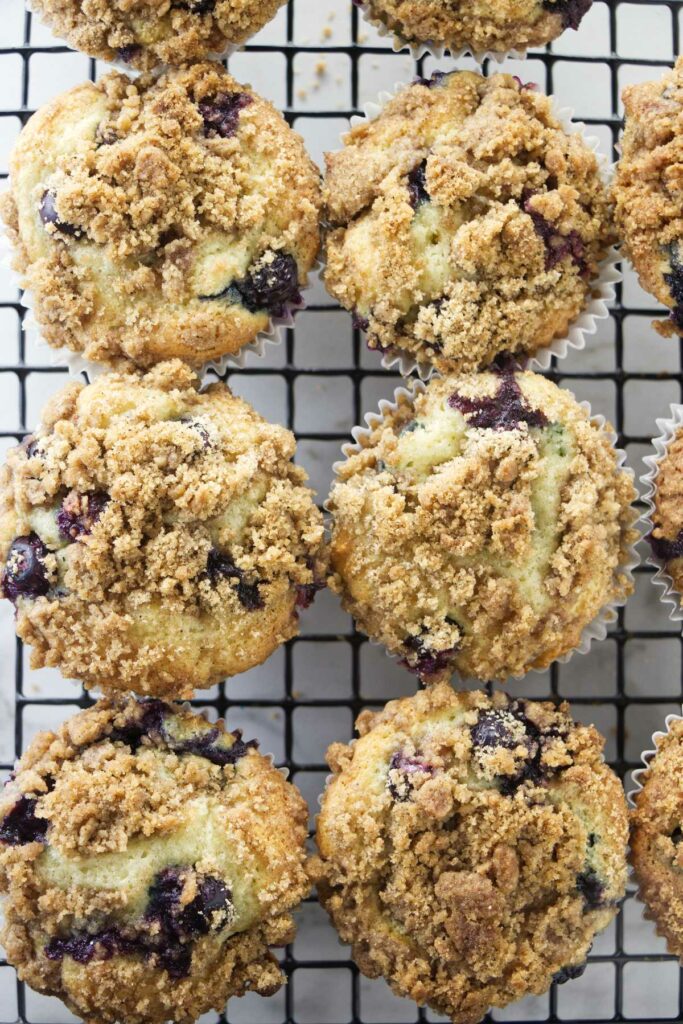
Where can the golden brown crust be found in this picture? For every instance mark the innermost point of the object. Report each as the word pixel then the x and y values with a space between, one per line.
pixel 201 544
pixel 482 549
pixel 648 188
pixel 152 32
pixel 656 849
pixel 470 847
pixel 464 221
pixel 161 876
pixel 157 218
pixel 479 25
pixel 667 527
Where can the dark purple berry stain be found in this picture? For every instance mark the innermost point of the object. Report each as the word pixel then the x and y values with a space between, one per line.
pixel 506 410
pixel 221 113
pixel 33 448
pixel 197 6
pixel 417 186
pixel 219 566
pixel 271 286
pixel 47 212
pixel 305 593
pixel 360 323
pixel 571 11
pixel 179 926
pixel 24 573
pixel 674 282
pixel 20 825
pixel 569 974
pixel 492 730
pixel 151 723
pixel 664 549
pixel 128 53
pixel 591 888
pixel 407 766
pixel 80 512
pixel 437 78
pixel 557 246
pixel 428 662
pixel 198 427
pixel 676 836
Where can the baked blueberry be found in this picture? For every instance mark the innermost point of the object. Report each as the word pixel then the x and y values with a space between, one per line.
pixel 221 113
pixel 47 212
pixel 25 574
pixel 80 512
pixel 272 283
pixel 147 881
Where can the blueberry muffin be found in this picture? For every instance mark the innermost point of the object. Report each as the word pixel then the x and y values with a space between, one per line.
pixel 148 860
pixel 478 25
pixel 471 847
pixel 480 527
pixel 656 834
pixel 146 33
pixel 156 537
pixel 666 537
pixel 464 222
pixel 169 216
pixel 648 195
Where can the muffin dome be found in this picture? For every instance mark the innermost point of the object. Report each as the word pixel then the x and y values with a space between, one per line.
pixel 464 222
pixel 656 834
pixel 479 25
pixel 156 537
pixel 481 526
pixel 647 192
pixel 152 32
pixel 148 860
pixel 164 217
pixel 471 847
pixel 666 537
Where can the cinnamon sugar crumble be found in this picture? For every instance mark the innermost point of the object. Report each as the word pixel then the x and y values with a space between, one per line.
pixel 166 216
pixel 470 848
pixel 481 527
pixel 204 539
pixel 464 222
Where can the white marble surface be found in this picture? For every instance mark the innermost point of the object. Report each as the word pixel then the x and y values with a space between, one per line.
pixel 323 340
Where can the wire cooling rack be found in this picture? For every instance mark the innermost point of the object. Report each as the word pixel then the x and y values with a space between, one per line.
pixel 320 63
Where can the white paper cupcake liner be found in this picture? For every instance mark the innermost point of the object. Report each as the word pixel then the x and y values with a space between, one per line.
pixel 668 428
pixel 602 287
pixel 78 365
pixel 432 49
pixel 646 757
pixel 594 631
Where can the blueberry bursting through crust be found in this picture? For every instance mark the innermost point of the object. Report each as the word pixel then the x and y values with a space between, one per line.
pixel 272 284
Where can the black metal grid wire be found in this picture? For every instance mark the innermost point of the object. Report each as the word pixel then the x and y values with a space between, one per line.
pixel 620 377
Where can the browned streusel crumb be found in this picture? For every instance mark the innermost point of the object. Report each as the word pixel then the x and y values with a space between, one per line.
pixel 656 834
pixel 479 25
pixel 648 190
pixel 156 537
pixel 148 858
pixel 482 527
pixel 146 33
pixel 464 222
pixel 471 847
pixel 166 216
pixel 667 531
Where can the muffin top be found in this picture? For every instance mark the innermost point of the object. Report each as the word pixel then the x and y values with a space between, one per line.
pixel 470 847
pixel 666 538
pixel 148 859
pixel 648 194
pixel 155 536
pixel 464 221
pixel 481 526
pixel 480 25
pixel 656 834
pixel 147 33
pixel 169 216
